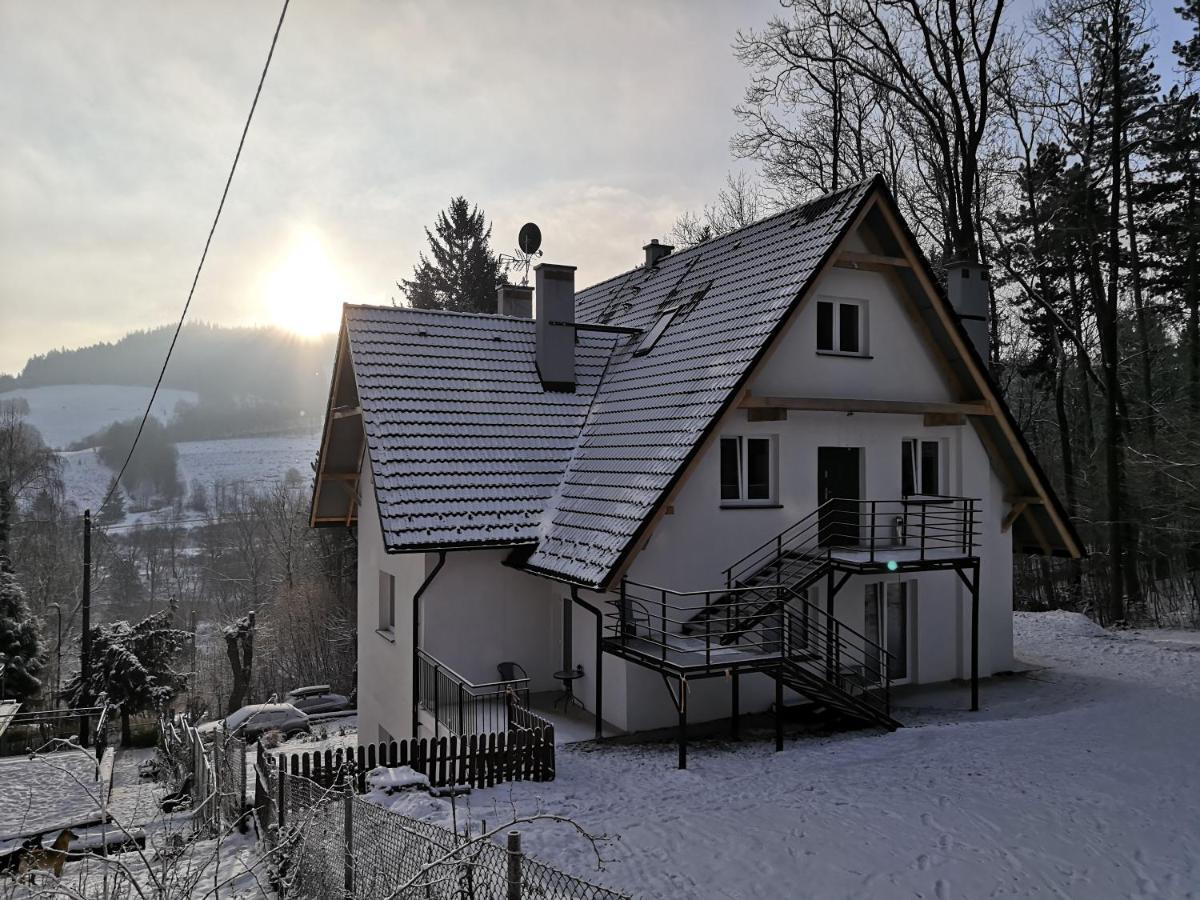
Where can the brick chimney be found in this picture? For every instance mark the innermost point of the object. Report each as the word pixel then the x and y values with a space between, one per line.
pixel 554 312
pixel 656 251
pixel 967 288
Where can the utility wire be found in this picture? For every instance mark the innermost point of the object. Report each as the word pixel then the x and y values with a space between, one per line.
pixel 203 256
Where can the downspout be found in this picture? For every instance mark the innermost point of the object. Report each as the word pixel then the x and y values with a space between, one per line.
pixel 416 633
pixel 599 658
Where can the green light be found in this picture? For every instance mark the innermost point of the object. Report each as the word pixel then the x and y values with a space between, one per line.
pixel 892 566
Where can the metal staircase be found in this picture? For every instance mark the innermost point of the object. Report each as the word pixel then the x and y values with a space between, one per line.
pixel 763 621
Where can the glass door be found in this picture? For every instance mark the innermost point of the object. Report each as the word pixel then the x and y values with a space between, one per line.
pixel 885 621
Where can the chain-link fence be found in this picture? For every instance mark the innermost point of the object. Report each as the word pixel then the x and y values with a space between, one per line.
pixel 333 843
pixel 212 772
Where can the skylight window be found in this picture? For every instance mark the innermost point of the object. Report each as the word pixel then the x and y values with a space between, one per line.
pixel 651 337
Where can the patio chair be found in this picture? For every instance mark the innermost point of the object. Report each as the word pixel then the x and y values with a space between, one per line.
pixel 511 671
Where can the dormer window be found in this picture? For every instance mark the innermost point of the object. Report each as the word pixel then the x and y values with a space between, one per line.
pixel 841 327
pixel 650 338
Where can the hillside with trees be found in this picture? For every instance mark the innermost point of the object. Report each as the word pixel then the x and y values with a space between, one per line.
pixel 247 366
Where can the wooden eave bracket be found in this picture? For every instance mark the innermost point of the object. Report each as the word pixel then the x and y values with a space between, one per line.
pixel 1013 514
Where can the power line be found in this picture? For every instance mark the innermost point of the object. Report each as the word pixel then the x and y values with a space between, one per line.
pixel 203 256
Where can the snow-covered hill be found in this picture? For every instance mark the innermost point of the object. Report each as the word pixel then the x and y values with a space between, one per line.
pixel 68 412
pixel 258 461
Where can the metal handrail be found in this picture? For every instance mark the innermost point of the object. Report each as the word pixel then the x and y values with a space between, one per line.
pixel 430 658
pixel 461 706
pixel 943 522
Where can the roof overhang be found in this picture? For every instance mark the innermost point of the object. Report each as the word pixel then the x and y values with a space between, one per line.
pixel 343 445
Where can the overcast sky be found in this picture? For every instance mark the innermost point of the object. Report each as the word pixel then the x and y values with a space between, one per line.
pixel 600 121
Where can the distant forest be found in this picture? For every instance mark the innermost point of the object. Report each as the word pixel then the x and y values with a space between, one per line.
pixel 246 367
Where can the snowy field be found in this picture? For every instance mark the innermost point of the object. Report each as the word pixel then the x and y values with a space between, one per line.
pixel 69 412
pixel 52 791
pixel 1078 779
pixel 258 461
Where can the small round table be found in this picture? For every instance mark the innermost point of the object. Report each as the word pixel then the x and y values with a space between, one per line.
pixel 567 677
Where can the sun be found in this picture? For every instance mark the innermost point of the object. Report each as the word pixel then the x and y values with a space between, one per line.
pixel 304 293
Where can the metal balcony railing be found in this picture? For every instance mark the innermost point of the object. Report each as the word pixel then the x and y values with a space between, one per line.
pixel 463 707
pixel 911 530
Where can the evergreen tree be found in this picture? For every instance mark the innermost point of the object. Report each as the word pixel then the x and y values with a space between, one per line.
pixel 113 511
pixel 463 272
pixel 134 666
pixel 21 649
pixel 1189 51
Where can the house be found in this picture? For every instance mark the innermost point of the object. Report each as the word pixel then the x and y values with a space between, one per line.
pixel 769 469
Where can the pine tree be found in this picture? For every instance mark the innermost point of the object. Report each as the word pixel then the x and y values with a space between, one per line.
pixel 463 272
pixel 113 511
pixel 134 666
pixel 1189 51
pixel 21 649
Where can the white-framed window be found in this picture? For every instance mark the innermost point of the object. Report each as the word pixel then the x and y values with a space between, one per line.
pixel 748 470
pixel 920 467
pixel 387 602
pixel 842 326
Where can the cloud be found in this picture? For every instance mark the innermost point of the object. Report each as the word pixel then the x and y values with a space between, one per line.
pixel 118 122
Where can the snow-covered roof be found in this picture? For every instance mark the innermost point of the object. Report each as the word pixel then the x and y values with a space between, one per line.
pixel 652 409
pixel 466 447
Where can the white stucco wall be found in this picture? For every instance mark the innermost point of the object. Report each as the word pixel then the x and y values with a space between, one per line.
pixel 690 548
pixel 478 612
pixel 384 661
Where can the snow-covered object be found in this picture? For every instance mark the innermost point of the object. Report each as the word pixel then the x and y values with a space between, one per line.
pixel 1060 621
pixel 389 781
pixel 466 447
pixel 1079 780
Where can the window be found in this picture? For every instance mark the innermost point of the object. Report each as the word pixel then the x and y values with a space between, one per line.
pixel 840 327
pixel 747 470
pixel 387 601
pixel 920 467
pixel 651 337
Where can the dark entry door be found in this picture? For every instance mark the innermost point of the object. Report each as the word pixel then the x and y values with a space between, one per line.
pixel 837 481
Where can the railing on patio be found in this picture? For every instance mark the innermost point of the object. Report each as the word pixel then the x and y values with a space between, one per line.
pixel 29 729
pixel 770 627
pixel 463 707
pixel 915 528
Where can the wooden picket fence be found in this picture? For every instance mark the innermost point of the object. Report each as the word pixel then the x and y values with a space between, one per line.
pixel 479 760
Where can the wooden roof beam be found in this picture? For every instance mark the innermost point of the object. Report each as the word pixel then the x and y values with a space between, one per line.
pixel 847 404
pixel 853 259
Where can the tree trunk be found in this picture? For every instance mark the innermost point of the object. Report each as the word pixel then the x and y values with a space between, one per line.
pixel 239 647
pixel 1145 346
pixel 126 734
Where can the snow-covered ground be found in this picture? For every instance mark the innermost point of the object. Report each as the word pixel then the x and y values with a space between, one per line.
pixel 68 412
pixel 258 462
pixel 49 791
pixel 1078 779
pixel 327 734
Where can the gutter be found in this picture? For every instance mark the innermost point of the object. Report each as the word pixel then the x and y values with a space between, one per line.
pixel 599 658
pixel 416 632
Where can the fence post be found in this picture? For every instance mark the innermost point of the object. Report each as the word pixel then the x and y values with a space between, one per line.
pixel 514 865
pixel 281 816
pixel 437 710
pixel 349 829
pixel 461 715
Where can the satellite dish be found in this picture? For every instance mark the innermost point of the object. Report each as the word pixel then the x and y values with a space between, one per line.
pixel 530 239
